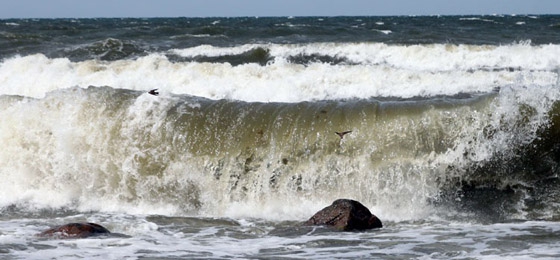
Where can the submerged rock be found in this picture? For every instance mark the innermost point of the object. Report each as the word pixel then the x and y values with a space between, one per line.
pixel 345 215
pixel 75 230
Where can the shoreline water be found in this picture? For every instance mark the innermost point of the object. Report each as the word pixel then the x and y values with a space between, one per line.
pixel 210 238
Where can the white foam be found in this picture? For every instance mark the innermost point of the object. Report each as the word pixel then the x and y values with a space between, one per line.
pixel 68 150
pixel 383 31
pixel 381 70
pixel 476 19
pixel 425 240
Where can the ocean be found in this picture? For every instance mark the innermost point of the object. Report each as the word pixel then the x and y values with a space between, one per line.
pixel 454 142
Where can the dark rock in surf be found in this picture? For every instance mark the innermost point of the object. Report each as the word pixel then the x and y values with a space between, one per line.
pixel 345 215
pixel 75 230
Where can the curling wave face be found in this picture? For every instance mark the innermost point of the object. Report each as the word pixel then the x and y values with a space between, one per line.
pixel 106 149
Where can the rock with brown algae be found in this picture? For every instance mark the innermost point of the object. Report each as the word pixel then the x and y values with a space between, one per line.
pixel 345 215
pixel 75 230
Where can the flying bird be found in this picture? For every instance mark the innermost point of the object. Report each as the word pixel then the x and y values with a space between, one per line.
pixel 342 134
pixel 153 92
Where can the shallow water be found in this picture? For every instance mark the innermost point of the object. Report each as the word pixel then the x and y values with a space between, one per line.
pixel 161 237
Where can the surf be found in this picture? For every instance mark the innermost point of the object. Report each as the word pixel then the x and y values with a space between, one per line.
pixel 361 71
pixel 108 149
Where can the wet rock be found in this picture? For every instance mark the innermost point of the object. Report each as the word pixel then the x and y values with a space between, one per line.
pixel 345 215
pixel 75 230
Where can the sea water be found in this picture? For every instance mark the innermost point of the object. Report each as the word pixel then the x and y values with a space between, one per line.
pixel 454 142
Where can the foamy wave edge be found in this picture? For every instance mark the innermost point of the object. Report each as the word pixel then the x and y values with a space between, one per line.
pixel 371 70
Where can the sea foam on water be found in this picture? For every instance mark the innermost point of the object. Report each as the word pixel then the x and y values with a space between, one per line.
pixel 370 70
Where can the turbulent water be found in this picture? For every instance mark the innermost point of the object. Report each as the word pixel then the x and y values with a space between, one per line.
pixel 454 142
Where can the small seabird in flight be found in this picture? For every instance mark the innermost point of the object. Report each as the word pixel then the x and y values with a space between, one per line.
pixel 341 134
pixel 153 92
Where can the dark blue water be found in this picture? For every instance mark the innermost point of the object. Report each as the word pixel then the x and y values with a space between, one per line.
pixel 112 39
